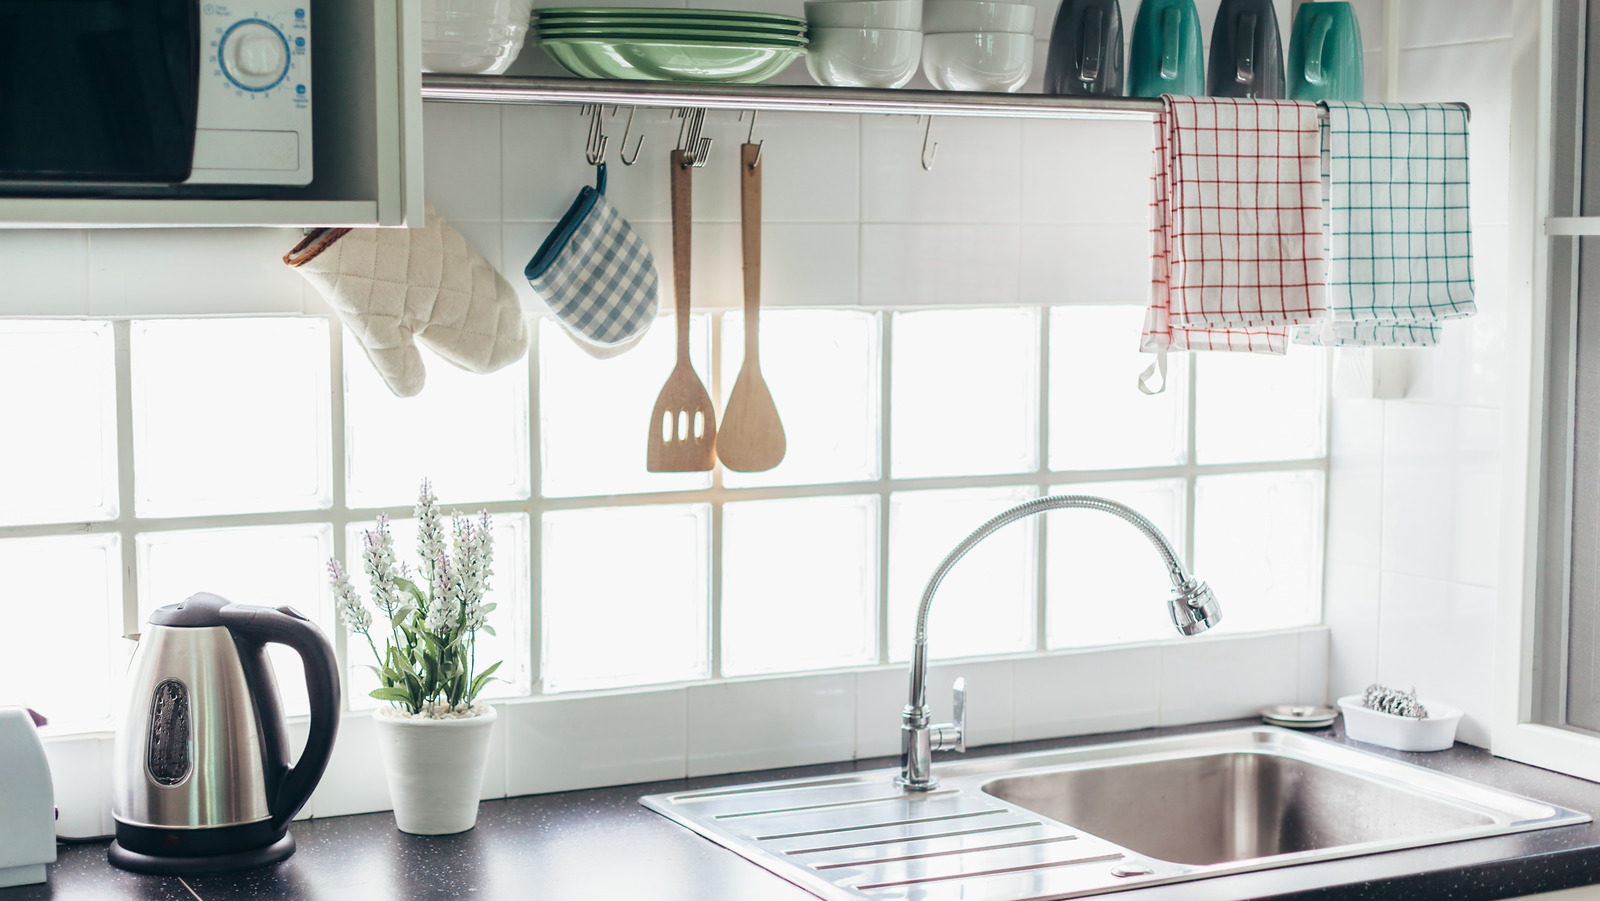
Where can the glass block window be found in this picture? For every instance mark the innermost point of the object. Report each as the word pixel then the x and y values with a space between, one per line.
pixel 236 456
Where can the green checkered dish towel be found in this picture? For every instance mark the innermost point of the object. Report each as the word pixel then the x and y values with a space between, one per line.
pixel 1400 240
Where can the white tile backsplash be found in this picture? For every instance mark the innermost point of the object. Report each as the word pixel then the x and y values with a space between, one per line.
pixel 1087 173
pixel 1352 600
pixel 1085 264
pixel 1201 679
pixel 738 726
pixel 353 781
pixel 1441 492
pixel 196 271
pixel 1476 74
pixel 1438 637
pixel 1095 691
pixel 976 175
pixel 461 159
pixel 561 743
pixel 1355 480
pixel 46 272
pixel 1313 684
pixel 958 265
pixel 1456 22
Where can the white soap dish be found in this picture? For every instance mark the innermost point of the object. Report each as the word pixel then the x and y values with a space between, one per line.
pixel 1434 732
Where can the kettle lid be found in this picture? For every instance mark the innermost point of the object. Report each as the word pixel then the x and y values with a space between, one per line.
pixel 202 609
pixel 205 609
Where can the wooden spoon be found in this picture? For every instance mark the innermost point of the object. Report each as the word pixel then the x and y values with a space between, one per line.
pixel 683 426
pixel 752 438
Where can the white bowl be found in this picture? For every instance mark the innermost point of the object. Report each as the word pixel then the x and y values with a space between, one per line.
pixel 977 61
pixel 863 57
pixel 901 15
pixel 473 37
pixel 1435 732
pixel 954 16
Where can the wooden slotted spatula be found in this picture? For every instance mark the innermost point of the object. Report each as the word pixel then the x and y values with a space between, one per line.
pixel 683 426
pixel 752 438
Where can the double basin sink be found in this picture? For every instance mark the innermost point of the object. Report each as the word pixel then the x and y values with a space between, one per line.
pixel 1082 821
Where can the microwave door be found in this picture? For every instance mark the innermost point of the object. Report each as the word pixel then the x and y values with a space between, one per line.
pixel 97 94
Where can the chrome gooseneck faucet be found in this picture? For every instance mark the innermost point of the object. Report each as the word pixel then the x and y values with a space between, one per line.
pixel 1193 608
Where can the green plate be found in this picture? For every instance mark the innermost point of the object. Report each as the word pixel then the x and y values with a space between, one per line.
pixel 702 35
pixel 696 62
pixel 660 13
pixel 643 21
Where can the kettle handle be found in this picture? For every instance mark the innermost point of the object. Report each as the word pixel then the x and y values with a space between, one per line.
pixel 288 788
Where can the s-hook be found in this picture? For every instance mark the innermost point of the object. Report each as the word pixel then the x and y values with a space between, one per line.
pixel 696 149
pixel 622 154
pixel 928 153
pixel 594 148
pixel 751 137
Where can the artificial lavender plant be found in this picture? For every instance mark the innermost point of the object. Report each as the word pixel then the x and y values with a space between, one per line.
pixel 429 664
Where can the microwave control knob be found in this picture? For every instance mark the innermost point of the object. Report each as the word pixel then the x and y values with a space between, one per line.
pixel 255 55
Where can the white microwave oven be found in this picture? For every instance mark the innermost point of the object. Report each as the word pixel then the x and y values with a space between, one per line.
pixel 151 97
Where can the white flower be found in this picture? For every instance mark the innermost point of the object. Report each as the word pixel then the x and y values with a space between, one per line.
pixel 352 612
pixel 443 608
pixel 378 556
pixel 430 534
pixel 474 546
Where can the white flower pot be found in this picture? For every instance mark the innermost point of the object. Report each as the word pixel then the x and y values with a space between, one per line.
pixel 435 768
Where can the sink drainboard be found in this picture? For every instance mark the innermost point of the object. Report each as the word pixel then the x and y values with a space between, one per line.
pixel 860 836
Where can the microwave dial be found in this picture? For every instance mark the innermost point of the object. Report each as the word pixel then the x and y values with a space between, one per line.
pixel 254 55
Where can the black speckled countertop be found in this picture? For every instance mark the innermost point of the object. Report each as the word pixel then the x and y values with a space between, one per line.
pixel 600 844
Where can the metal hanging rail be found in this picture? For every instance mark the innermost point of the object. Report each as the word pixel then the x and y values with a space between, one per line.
pixel 513 89
pixel 783 98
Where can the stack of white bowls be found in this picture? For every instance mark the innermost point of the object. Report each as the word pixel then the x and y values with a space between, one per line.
pixel 473 37
pixel 976 45
pixel 863 43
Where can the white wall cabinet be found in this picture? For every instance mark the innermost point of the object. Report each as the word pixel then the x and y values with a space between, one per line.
pixel 367 135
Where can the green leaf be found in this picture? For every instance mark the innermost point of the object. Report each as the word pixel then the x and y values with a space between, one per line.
pixel 482 680
pixel 391 694
pixel 487 628
pixel 412 589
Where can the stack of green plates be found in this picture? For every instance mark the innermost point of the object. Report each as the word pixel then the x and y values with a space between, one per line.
pixel 655 44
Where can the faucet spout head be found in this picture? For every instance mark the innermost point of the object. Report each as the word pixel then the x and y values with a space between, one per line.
pixel 1194 608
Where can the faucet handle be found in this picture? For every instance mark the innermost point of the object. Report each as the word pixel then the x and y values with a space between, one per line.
pixel 953 736
pixel 959 710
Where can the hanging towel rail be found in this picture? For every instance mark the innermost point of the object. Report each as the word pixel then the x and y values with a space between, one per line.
pixel 782 98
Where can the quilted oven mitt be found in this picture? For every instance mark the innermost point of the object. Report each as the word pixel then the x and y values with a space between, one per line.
pixel 394 286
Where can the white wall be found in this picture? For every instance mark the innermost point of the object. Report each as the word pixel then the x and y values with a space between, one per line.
pixel 1414 485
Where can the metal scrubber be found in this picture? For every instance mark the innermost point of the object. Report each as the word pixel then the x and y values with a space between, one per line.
pixel 1393 701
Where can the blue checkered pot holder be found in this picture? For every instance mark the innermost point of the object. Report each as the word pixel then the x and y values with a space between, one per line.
pixel 596 275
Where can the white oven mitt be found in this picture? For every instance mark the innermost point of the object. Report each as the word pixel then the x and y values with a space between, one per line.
pixel 392 285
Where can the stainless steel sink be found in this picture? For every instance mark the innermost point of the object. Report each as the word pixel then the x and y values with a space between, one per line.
pixel 1064 824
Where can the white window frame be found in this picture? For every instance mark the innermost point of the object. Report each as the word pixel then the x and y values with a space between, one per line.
pixel 1542 214
pixel 1042 479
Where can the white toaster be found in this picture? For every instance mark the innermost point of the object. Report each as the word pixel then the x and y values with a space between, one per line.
pixel 27 801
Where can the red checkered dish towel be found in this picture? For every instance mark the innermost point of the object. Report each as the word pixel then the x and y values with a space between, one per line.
pixel 1237 242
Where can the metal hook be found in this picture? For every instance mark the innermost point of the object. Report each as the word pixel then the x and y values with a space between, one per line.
pixel 696 149
pixel 622 154
pixel 751 137
pixel 928 153
pixel 594 149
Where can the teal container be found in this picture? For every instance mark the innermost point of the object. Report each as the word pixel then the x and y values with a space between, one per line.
pixel 1325 53
pixel 1167 51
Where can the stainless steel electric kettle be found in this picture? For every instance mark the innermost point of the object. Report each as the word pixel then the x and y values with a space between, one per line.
pixel 202 779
